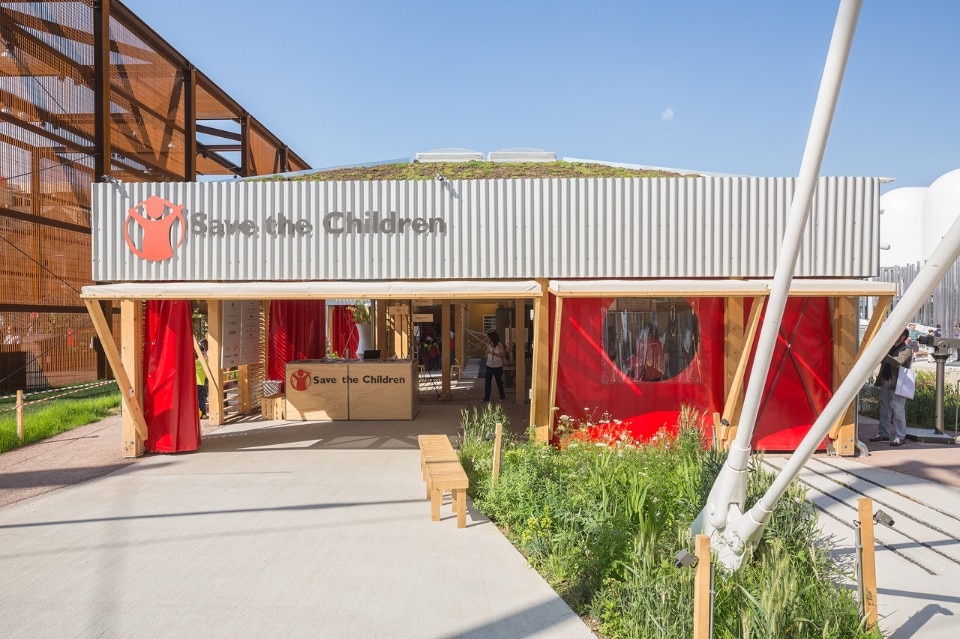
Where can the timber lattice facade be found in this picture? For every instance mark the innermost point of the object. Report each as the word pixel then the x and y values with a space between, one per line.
pixel 88 90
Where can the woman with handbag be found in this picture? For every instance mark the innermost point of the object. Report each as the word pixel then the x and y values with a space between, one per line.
pixel 892 405
pixel 496 354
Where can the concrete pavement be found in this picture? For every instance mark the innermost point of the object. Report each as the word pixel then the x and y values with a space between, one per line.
pixel 322 530
pixel 272 529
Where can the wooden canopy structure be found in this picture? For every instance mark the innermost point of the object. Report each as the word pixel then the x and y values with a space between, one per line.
pixel 125 356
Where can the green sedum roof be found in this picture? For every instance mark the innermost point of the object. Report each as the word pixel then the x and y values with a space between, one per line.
pixel 473 171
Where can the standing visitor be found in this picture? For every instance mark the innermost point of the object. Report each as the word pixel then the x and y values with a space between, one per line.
pixel 892 406
pixel 956 335
pixel 496 354
pixel 201 384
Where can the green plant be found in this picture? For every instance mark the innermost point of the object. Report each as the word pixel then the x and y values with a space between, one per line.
pixel 43 420
pixel 477 428
pixel 360 313
pixel 603 522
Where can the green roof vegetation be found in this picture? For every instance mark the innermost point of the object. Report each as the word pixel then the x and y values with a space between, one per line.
pixel 474 171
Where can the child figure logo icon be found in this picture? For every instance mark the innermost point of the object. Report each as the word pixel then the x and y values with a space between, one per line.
pixel 300 380
pixel 155 218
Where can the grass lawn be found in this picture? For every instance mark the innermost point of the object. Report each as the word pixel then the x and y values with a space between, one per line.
pixel 43 419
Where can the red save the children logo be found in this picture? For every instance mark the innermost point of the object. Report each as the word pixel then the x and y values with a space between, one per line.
pixel 156 219
pixel 300 379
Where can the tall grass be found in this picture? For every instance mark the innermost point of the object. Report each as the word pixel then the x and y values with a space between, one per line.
pixel 46 419
pixel 603 525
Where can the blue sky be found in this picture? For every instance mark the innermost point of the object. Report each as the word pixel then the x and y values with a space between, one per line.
pixel 707 85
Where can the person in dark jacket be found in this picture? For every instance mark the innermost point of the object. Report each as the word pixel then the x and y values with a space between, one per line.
pixel 893 406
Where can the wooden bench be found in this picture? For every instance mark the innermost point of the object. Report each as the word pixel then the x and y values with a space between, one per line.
pixel 443 473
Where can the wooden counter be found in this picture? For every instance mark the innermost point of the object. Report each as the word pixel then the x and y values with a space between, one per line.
pixel 334 390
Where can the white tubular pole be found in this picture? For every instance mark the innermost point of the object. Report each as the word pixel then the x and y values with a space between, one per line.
pixel 729 487
pixel 930 275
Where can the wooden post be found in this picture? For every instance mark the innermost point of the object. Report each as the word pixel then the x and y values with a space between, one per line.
pixel 843 434
pixel 243 388
pixel 496 452
pixel 733 334
pixel 519 358
pixel 868 562
pixel 460 335
pixel 444 347
pixel 131 354
pixel 20 416
pixel 540 413
pixel 214 357
pixel 380 339
pixel 547 434
pixel 129 393
pixel 702 590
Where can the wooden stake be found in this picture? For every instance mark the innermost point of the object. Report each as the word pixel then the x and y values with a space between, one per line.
pixel 20 416
pixel 702 587
pixel 868 562
pixel 496 452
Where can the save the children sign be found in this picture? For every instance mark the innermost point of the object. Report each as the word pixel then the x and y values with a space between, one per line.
pixel 475 229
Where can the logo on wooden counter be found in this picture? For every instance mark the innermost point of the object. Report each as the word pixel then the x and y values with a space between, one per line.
pixel 300 379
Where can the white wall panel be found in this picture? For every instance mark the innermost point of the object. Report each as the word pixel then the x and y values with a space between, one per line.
pixel 550 228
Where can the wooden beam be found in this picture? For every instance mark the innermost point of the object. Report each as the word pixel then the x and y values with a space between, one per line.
pixel 520 363
pixel 129 393
pixel 190 123
pixel 876 320
pixel 540 414
pixel 843 434
pixel 101 89
pixel 734 401
pixel 220 133
pixel 214 357
pixel 202 357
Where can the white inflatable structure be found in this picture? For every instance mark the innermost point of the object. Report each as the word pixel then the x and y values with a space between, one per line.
pixel 901 223
pixel 941 206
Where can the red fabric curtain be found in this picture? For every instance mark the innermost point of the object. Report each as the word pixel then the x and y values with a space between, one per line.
pixel 590 383
pixel 345 338
pixel 169 374
pixel 800 381
pixel 297 331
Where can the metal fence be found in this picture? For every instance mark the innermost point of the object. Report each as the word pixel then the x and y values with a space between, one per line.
pixel 942 308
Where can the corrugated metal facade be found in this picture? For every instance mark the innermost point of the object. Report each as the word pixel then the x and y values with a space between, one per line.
pixel 551 228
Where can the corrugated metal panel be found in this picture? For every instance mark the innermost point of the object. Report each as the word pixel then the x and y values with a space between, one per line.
pixel 550 228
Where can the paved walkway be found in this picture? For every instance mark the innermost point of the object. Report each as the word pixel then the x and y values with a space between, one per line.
pixel 271 530
pixel 322 530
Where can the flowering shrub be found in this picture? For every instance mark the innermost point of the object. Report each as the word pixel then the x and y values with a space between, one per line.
pixel 655 428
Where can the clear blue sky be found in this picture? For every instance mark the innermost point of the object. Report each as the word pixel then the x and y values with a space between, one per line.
pixel 698 84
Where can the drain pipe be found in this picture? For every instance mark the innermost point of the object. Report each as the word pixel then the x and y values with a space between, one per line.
pixel 726 501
